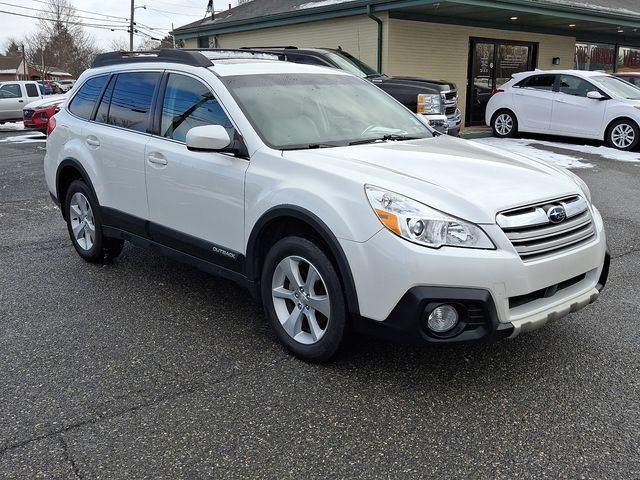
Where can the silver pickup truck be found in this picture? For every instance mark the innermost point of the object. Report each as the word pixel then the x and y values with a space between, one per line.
pixel 14 95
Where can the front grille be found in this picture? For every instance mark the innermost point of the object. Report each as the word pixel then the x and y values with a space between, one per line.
pixel 534 235
pixel 27 114
pixel 450 110
pixel 544 292
pixel 451 96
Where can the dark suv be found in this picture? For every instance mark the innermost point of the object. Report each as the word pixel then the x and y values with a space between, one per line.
pixel 435 99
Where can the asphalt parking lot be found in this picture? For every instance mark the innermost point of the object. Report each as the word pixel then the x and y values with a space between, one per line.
pixel 146 368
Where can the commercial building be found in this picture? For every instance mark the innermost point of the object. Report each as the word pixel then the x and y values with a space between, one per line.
pixel 478 44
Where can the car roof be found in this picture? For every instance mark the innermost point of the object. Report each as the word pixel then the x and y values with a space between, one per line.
pixel 229 67
pixel 627 74
pixel 578 73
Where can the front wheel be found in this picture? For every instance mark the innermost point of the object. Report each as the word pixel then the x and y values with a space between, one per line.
pixel 85 225
pixel 504 124
pixel 304 300
pixel 623 134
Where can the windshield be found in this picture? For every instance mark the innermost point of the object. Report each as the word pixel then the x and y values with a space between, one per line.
pixel 294 111
pixel 618 87
pixel 351 64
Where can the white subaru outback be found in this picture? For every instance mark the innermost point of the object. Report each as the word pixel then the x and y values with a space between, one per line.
pixel 335 205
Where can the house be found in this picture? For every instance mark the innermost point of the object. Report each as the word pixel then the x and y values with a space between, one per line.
pixel 478 44
pixel 12 68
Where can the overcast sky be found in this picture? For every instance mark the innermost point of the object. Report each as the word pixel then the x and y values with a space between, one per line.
pixel 158 15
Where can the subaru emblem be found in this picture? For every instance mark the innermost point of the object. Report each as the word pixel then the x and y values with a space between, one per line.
pixel 556 214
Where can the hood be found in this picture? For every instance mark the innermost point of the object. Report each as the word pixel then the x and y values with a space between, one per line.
pixel 456 176
pixel 46 102
pixel 419 85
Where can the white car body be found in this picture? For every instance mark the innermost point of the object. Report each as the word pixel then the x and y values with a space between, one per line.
pixel 20 93
pixel 221 200
pixel 558 113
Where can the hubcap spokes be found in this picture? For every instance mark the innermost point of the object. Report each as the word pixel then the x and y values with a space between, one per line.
pixel 82 222
pixel 623 135
pixel 504 124
pixel 300 300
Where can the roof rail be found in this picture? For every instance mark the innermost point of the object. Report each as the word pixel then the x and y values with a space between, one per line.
pixel 235 53
pixel 164 55
pixel 289 47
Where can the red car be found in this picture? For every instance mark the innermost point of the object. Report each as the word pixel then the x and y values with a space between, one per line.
pixel 631 77
pixel 36 115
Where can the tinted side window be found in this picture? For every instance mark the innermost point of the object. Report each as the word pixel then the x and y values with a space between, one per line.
pixel 102 115
pixel 86 98
pixel 575 86
pixel 13 88
pixel 306 60
pixel 32 90
pixel 131 100
pixel 189 103
pixel 539 82
pixel 7 94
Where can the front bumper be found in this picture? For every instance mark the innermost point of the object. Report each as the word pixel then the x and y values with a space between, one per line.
pixel 396 281
pixel 447 124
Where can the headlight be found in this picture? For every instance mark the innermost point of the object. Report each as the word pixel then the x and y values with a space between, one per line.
pixel 583 186
pixel 423 225
pixel 429 104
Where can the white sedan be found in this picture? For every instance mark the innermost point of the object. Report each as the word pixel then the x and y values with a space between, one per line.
pixel 574 103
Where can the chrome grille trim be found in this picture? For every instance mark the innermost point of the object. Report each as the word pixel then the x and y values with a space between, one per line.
pixel 533 235
pixel 28 113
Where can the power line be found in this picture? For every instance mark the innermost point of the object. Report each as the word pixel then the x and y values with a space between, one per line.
pixel 88 25
pixel 78 16
pixel 84 11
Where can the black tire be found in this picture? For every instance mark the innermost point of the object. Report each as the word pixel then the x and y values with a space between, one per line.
pixel 102 248
pixel 615 135
pixel 336 328
pixel 504 124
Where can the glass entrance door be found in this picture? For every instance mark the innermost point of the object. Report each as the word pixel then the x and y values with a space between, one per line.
pixel 491 64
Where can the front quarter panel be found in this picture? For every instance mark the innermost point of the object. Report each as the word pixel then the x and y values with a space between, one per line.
pixel 335 197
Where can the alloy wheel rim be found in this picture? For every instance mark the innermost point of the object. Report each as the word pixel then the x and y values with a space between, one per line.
pixel 82 221
pixel 301 300
pixel 623 135
pixel 504 124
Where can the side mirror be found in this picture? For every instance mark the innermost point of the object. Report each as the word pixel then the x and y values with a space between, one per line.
pixel 211 138
pixel 595 95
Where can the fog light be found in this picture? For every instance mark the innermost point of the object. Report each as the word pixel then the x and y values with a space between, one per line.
pixel 443 318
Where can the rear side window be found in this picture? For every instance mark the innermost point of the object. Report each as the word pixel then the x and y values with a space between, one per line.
pixel 12 88
pixel 130 101
pixel 102 115
pixel 539 82
pixel 189 103
pixel 83 103
pixel 32 90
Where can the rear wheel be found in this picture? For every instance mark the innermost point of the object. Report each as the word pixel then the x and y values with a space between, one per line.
pixel 623 134
pixel 304 300
pixel 85 225
pixel 504 124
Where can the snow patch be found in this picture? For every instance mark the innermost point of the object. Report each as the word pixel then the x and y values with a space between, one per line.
pixel 11 126
pixel 524 147
pixel 322 3
pixel 30 138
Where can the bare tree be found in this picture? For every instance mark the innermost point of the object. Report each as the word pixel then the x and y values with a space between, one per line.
pixel 12 47
pixel 60 40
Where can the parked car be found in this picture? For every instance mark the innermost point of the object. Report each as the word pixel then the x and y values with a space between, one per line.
pixel 573 103
pixel 631 77
pixel 437 100
pixel 66 85
pixel 14 95
pixel 36 115
pixel 340 210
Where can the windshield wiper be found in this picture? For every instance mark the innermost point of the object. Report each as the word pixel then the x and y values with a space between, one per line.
pixel 384 138
pixel 309 146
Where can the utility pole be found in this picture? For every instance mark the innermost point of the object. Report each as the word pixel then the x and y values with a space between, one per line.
pixel 173 36
pixel 24 64
pixel 131 26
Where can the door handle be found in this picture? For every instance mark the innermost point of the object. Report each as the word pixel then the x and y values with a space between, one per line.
pixel 157 159
pixel 20 101
pixel 92 141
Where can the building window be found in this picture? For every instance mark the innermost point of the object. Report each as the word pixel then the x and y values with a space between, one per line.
pixel 203 42
pixel 628 59
pixel 595 56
